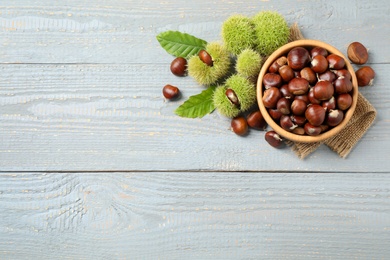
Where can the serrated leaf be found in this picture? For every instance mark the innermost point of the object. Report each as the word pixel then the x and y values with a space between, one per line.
pixel 180 44
pixel 198 105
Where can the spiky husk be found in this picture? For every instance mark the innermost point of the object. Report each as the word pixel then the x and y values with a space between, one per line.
pixel 248 63
pixel 207 75
pixel 271 30
pixel 238 34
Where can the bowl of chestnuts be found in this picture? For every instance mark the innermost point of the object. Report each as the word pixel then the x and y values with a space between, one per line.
pixel 307 91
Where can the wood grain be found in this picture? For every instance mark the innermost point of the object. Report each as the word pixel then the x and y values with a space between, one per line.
pixel 194 215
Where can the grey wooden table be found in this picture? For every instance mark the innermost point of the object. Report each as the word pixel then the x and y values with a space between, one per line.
pixel 95 164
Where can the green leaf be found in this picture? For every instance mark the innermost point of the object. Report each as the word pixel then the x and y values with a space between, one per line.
pixel 197 105
pixel 180 44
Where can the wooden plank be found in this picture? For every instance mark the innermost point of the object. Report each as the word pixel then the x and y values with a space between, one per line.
pixel 124 31
pixel 194 215
pixel 113 117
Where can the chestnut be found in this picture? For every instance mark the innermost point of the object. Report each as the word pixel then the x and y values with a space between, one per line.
pixel 319 64
pixel 342 85
pixel 287 124
pixel 303 97
pixel 283 105
pixel 274 68
pixel 357 53
pixel 298 120
pixel 273 139
pixel 231 95
pixel 205 57
pixel 312 130
pixel 298 107
pixel 298 58
pixel 334 117
pixel 365 76
pixel 315 114
pixel 239 125
pixel 327 75
pixel 344 101
pixel 286 92
pixel 343 73
pixel 329 104
pixel 179 66
pixel 256 120
pixel 308 74
pixel 299 131
pixel 275 114
pixel 170 92
pixel 318 51
pixel 298 86
pixel 335 61
pixel 271 97
pixel 323 90
pixel 286 73
pixel 272 80
pixel 311 97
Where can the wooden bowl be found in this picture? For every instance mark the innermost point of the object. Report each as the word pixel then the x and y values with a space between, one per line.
pixel 260 89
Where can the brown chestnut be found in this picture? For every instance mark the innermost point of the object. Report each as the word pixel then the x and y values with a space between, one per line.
pixel 323 90
pixel 283 105
pixel 334 117
pixel 205 57
pixel 286 73
pixel 319 64
pixel 298 120
pixel 231 95
pixel 286 92
pixel 357 53
pixel 239 125
pixel 271 97
pixel 298 86
pixel 299 131
pixel 318 51
pixel 343 73
pixel 315 114
pixel 274 68
pixel 275 114
pixel 298 107
pixel 308 74
pixel 335 61
pixel 311 97
pixel 272 80
pixel 273 139
pixel 256 120
pixel 287 124
pixel 170 92
pixel 342 85
pixel 312 130
pixel 365 76
pixel 298 58
pixel 344 101
pixel 302 97
pixel 179 66
pixel 329 104
pixel 327 75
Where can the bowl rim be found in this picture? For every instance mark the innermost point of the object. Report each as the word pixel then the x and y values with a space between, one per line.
pixel 278 129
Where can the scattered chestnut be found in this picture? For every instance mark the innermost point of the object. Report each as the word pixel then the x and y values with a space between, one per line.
pixel 256 120
pixel 298 58
pixel 179 66
pixel 272 80
pixel 323 90
pixel 271 97
pixel 357 53
pixel 365 76
pixel 273 139
pixel 231 95
pixel 239 125
pixel 170 92
pixel 334 117
pixel 298 86
pixel 344 101
pixel 298 107
pixel 283 105
pixel 205 57
pixel 319 64
pixel 335 61
pixel 315 114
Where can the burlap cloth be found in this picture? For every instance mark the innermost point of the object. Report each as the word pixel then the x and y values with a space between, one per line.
pixel 346 139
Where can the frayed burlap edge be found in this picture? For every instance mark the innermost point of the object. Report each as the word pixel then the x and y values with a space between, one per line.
pixel 342 143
